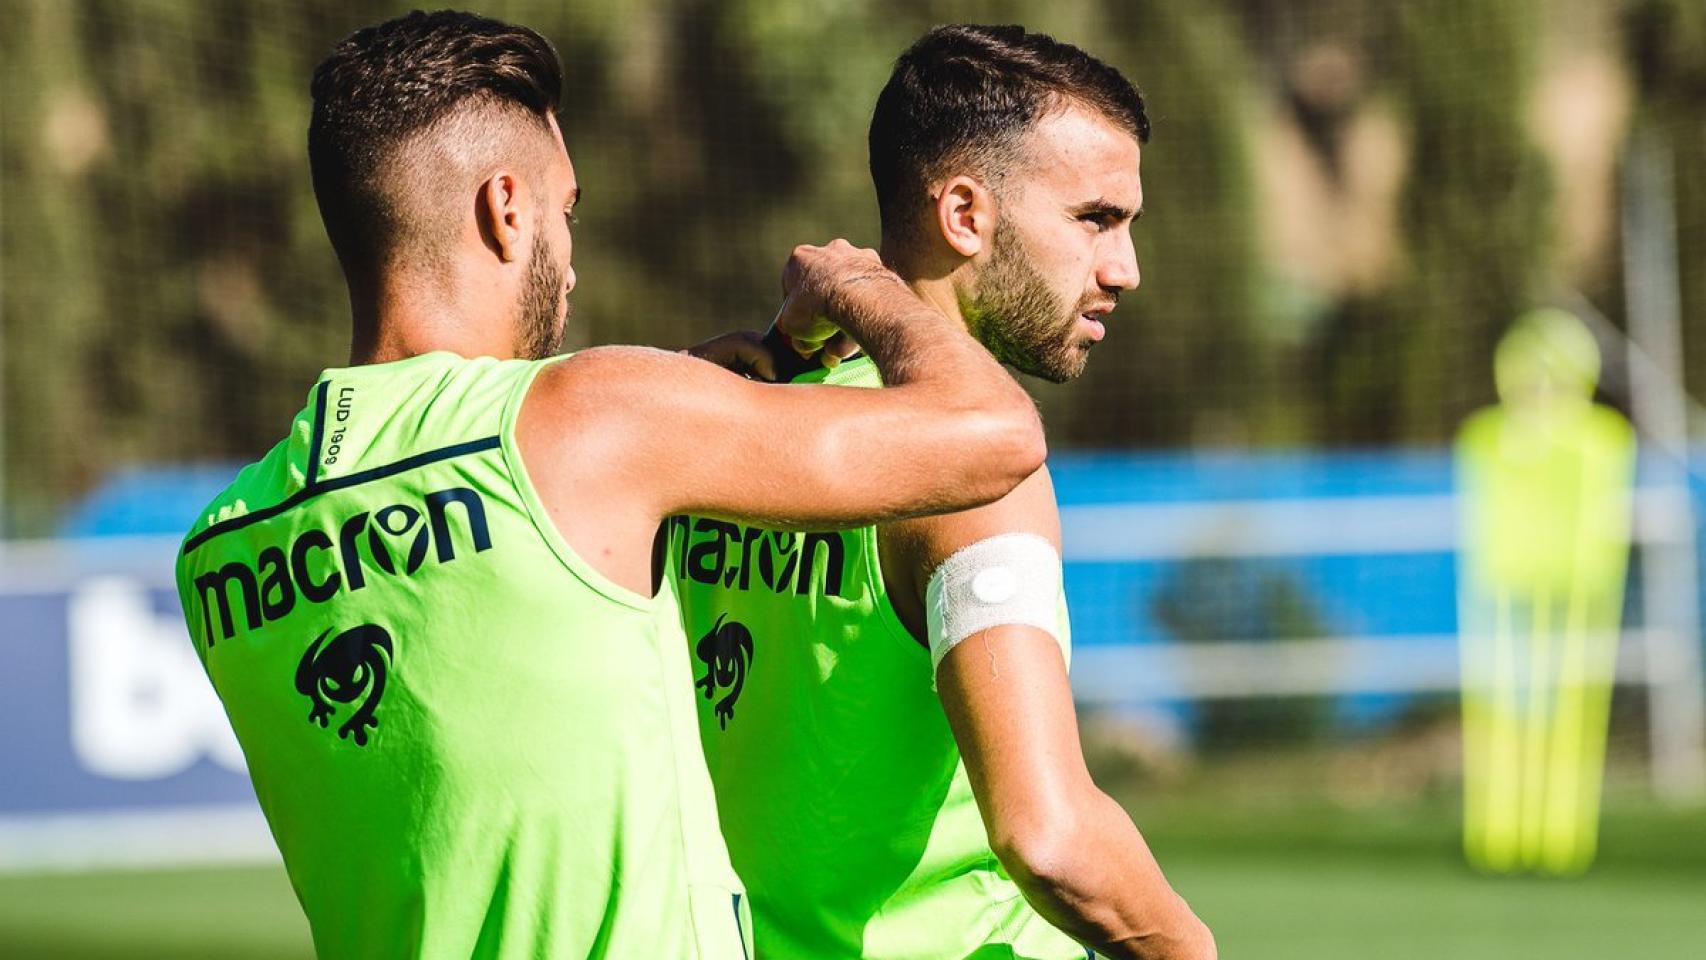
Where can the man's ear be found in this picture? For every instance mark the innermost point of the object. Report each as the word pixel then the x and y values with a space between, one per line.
pixel 501 211
pixel 965 214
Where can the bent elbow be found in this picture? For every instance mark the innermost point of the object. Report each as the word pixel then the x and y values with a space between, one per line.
pixel 1187 938
pixel 1058 869
pixel 1042 858
pixel 1202 945
pixel 1030 446
pixel 1014 449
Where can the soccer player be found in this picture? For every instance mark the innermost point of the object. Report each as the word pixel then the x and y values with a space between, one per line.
pixel 429 611
pixel 885 712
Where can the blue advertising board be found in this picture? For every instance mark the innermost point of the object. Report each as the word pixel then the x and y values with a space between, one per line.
pixel 114 749
pixel 113 745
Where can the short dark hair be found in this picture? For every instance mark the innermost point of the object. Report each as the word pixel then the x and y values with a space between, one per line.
pixel 383 85
pixel 966 93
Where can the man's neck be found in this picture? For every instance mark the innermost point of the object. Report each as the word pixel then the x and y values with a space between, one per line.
pixel 933 285
pixel 400 318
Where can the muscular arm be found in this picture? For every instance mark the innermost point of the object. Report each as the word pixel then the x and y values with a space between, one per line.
pixel 616 439
pixel 1072 850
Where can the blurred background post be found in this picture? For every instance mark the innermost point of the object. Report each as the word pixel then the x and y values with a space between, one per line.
pixel 1348 202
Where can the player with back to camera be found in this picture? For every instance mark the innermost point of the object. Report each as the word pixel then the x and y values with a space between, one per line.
pixel 845 676
pixel 428 610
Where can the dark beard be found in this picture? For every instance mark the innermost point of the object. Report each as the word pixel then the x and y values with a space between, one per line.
pixel 1020 320
pixel 541 336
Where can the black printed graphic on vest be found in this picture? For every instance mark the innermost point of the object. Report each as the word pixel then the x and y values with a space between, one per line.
pixel 314 569
pixel 726 653
pixel 720 553
pixel 348 668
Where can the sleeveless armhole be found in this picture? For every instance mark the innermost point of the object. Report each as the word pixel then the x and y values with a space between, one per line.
pixel 886 612
pixel 541 517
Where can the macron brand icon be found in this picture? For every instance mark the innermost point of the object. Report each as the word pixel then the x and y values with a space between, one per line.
pixel 349 667
pixel 727 654
pixel 393 541
pixel 718 553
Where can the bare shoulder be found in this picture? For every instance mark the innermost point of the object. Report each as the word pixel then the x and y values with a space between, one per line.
pixel 582 430
pixel 601 373
pixel 620 400
pixel 594 437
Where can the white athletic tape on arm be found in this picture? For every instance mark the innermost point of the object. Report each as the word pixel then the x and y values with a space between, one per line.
pixel 1012 579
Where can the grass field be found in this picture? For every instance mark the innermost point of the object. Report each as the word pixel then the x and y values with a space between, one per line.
pixel 1276 884
pixel 1392 885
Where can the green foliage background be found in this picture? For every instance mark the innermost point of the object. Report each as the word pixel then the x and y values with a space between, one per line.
pixel 166 292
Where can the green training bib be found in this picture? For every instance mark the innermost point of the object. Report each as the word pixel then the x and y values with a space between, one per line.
pixel 466 741
pixel 840 788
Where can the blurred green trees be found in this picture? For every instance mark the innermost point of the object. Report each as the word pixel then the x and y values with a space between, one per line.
pixel 166 292
pixel 1411 361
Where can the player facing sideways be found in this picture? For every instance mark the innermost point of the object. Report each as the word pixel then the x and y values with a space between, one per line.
pixel 885 712
pixel 428 610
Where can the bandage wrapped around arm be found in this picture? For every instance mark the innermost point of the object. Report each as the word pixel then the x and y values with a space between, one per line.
pixel 1012 579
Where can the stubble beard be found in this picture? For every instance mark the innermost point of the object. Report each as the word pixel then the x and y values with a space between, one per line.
pixel 1020 320
pixel 541 327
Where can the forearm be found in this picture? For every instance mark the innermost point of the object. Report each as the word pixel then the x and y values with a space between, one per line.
pixel 983 414
pixel 912 342
pixel 1099 883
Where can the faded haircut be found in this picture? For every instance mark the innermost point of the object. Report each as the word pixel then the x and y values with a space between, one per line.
pixel 413 109
pixel 964 96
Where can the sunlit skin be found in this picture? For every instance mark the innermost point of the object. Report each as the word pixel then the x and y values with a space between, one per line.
pixel 601 433
pixel 543 303
pixel 1035 265
pixel 502 290
pixel 634 411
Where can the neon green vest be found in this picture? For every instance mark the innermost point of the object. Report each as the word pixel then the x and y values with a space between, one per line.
pixel 840 788
pixel 466 741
